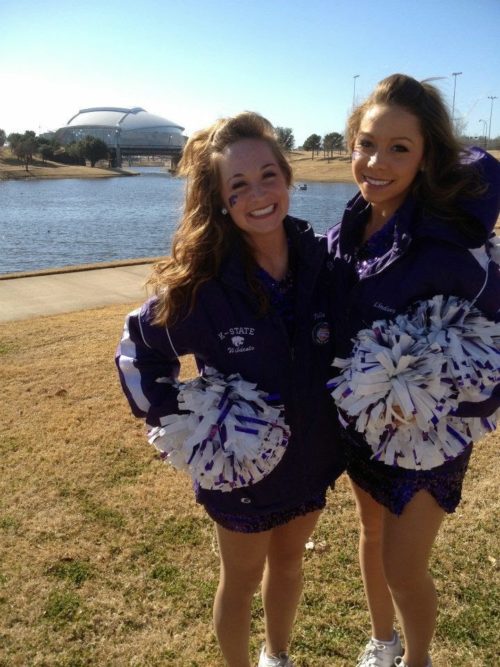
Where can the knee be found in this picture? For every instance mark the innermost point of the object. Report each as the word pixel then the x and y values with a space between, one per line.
pixel 286 564
pixel 371 519
pixel 244 580
pixel 371 527
pixel 371 533
pixel 403 579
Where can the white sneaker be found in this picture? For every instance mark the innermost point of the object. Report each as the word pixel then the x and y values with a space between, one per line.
pixel 399 662
pixel 380 654
pixel 280 660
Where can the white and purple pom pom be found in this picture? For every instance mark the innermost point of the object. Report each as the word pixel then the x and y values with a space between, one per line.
pixel 229 437
pixel 406 377
pixel 494 248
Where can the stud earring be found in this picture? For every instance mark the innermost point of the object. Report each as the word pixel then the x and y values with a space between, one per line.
pixel 223 210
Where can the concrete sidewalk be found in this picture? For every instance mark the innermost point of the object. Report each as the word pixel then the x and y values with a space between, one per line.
pixel 66 291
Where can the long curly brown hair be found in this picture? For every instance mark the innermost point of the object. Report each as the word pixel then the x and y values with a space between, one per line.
pixel 443 178
pixel 205 236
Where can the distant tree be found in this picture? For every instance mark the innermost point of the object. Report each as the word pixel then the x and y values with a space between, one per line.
pixel 47 147
pixel 285 138
pixel 70 154
pixel 312 143
pixel 23 146
pixel 75 151
pixel 3 137
pixel 94 149
pixel 46 151
pixel 14 138
pixel 460 124
pixel 333 141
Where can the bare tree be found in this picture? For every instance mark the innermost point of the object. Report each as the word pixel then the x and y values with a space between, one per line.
pixel 285 137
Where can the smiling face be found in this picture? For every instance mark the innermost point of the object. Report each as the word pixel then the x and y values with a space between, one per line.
pixel 388 153
pixel 254 189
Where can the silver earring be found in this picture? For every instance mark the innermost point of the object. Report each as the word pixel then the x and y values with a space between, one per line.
pixel 224 210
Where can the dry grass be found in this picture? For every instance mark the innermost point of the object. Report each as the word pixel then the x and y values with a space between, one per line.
pixel 12 169
pixel 106 560
pixel 335 170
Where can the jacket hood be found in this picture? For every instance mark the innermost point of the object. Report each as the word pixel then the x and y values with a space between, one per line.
pixel 486 208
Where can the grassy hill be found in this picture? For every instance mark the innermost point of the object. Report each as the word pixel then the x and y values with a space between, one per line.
pixel 106 560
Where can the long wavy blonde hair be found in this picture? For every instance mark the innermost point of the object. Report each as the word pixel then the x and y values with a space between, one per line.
pixel 443 178
pixel 205 236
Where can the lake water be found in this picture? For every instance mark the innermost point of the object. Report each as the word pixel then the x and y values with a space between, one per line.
pixel 55 223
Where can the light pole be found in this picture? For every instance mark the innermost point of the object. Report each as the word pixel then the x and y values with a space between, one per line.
pixel 455 74
pixel 354 90
pixel 485 125
pixel 118 148
pixel 490 97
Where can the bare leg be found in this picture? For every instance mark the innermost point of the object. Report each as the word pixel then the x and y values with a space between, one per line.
pixel 242 558
pixel 407 545
pixel 282 584
pixel 377 592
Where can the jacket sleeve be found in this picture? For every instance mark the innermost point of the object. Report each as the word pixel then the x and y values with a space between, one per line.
pixel 148 366
pixel 488 301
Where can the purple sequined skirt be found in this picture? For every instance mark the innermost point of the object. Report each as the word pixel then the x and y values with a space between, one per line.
pixel 257 523
pixel 394 487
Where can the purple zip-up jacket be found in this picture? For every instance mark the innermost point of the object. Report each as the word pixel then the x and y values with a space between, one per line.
pixel 429 256
pixel 225 332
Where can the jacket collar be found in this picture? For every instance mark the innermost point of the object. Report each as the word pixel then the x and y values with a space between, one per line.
pixel 305 245
pixel 412 223
pixel 354 219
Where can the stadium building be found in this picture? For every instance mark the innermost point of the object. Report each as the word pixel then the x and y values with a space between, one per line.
pixel 126 132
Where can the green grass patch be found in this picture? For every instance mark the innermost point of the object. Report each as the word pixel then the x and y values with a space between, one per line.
pixel 106 516
pixel 9 524
pixel 74 659
pixel 73 571
pixel 9 445
pixel 5 347
pixel 170 579
pixel 61 607
pixel 184 531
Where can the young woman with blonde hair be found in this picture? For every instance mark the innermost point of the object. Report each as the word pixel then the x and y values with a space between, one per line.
pixel 243 291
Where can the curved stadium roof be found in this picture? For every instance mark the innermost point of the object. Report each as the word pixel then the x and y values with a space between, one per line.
pixel 131 129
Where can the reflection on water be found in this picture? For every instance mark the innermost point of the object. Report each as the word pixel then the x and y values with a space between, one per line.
pixel 55 223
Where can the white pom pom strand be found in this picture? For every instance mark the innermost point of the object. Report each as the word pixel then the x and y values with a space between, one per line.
pixel 494 248
pixel 229 437
pixel 406 377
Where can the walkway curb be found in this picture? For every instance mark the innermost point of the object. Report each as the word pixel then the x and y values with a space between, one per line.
pixel 55 291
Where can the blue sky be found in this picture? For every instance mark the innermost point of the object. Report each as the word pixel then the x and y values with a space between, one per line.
pixel 193 61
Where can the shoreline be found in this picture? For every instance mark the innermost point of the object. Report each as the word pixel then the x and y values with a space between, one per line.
pixel 336 169
pixel 320 169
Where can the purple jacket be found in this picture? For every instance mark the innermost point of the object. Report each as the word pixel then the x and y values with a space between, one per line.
pixel 224 331
pixel 429 256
